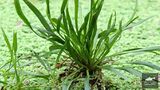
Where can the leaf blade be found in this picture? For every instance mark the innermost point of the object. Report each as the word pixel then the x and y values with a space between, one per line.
pixel 76 13
pixel 7 41
pixel 131 71
pixel 145 63
pixel 38 14
pixel 15 45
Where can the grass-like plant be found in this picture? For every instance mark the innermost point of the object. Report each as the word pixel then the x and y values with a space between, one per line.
pixel 86 47
pixel 10 69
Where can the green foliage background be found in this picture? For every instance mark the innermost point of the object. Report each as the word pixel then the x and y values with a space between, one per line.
pixel 145 35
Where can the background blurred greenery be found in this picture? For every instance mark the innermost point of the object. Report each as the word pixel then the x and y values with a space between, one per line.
pixel 147 34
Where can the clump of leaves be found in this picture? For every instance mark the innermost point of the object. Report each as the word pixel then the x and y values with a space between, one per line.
pixel 86 47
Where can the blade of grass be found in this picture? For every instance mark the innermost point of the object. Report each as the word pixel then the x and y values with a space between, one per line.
pixel 55 46
pixel 39 15
pixel 111 26
pixel 42 62
pixel 73 35
pixel 138 23
pixel 69 21
pixel 48 9
pixel 112 69
pixel 137 50
pixel 132 18
pixel 76 13
pixel 116 36
pixel 131 71
pixel 14 46
pixel 64 5
pixel 8 62
pixel 108 43
pixel 23 17
pixel 92 30
pixel 58 21
pixel 145 63
pixel 7 41
pixel 65 24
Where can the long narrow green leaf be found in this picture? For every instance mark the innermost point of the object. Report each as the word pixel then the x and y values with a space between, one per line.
pixel 116 36
pixel 65 24
pixel 73 36
pixel 132 18
pixel 92 28
pixel 14 58
pixel 2 66
pixel 20 13
pixel 7 41
pixel 57 22
pixel 145 63
pixel 131 71
pixel 14 46
pixel 98 51
pixel 60 53
pixel 73 54
pixel 103 54
pixel 83 29
pixel 93 19
pixel 55 46
pixel 69 20
pixel 42 62
pixel 3 82
pixel 43 31
pixel 48 9
pixel 110 22
pixel 12 64
pixel 112 69
pixel 104 37
pixel 38 14
pixel 137 23
pixel 56 39
pixel 48 12
pixel 132 21
pixel 64 5
pixel 76 13
pixel 23 17
pixel 137 50
pixel 111 26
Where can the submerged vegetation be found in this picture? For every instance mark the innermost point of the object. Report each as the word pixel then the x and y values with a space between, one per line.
pixel 83 50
